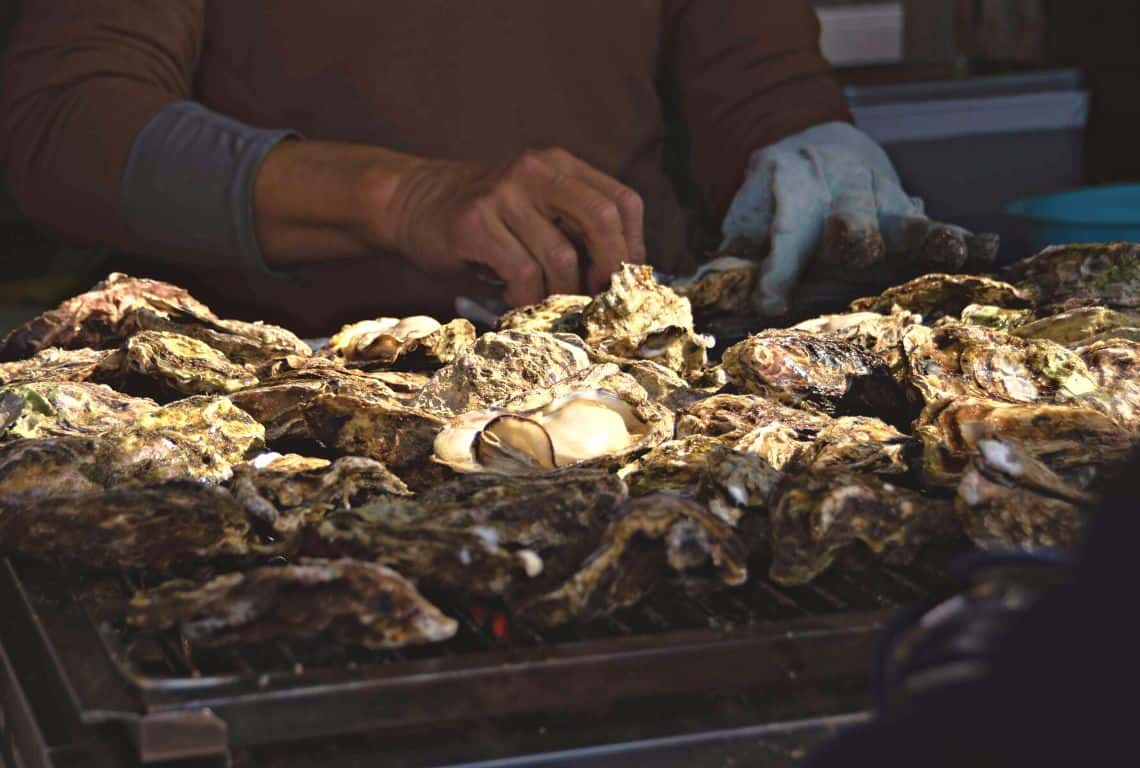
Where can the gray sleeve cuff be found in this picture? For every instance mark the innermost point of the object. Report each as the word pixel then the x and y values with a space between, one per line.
pixel 187 189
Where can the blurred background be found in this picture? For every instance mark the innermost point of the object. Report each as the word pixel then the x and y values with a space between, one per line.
pixel 979 102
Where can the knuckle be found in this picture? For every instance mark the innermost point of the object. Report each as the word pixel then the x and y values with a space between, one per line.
pixel 607 214
pixel 563 258
pixel 527 273
pixel 531 163
pixel 471 220
pixel 631 202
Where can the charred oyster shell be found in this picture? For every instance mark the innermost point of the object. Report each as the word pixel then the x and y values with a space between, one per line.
pixel 939 295
pixel 815 516
pixel 1070 276
pixel 417 343
pixel 57 409
pixel 348 601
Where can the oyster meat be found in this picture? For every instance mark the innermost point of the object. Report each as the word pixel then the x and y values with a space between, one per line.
pixel 416 343
pixel 53 364
pixel 498 367
pixel 289 491
pixel 169 366
pixel 57 409
pixel 156 528
pixel 1069 276
pixel 812 372
pixel 817 515
pixel 347 601
pixel 1008 498
pixel 956 359
pixel 1078 442
pixel 1115 367
pixel 558 313
pixel 650 538
pixel 480 535
pixel 939 295
pixel 547 429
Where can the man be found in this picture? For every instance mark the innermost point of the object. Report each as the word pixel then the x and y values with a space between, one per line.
pixel 312 163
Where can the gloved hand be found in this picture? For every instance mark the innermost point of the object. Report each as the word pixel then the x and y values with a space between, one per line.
pixel 830 193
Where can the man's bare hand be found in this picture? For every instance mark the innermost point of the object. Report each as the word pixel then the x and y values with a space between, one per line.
pixel 521 221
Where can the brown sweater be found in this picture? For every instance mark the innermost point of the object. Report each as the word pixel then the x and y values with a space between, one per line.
pixel 479 81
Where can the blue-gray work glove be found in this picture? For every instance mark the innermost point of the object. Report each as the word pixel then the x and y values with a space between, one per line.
pixel 830 194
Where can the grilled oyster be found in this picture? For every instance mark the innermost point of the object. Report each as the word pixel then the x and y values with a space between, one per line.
pixel 1007 498
pixel 345 600
pixel 812 372
pixel 289 491
pixel 169 366
pixel 379 427
pixel 721 286
pixel 55 409
pixel 278 401
pixel 417 343
pixel 54 364
pixel 956 359
pixel 1076 441
pixel 938 295
pixel 480 535
pixel 869 331
pixel 1070 276
pixel 816 515
pixel 998 318
pixel 558 313
pixel 498 367
pixel 674 466
pixel 553 428
pixel 156 528
pixel 1115 367
pixel 855 444
pixel 650 537
pixel 731 417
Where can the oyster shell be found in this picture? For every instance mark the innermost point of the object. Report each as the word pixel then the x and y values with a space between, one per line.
pixel 1007 498
pixel 379 427
pixel 168 366
pixel 674 466
pixel 956 359
pixel 817 515
pixel 721 286
pixel 1115 367
pixel 1076 441
pixel 650 537
pixel 289 491
pixel 347 601
pixel 555 428
pixel 736 486
pixel 998 318
pixel 415 343
pixel 939 295
pixel 56 409
pixel 812 372
pixel 480 535
pixel 558 313
pixel 498 367
pixel 53 364
pixel 1070 276
pixel 731 417
pixel 1082 326
pixel 156 528
pixel 855 444
pixel 869 331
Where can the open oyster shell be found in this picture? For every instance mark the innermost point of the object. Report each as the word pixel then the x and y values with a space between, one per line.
pixel 498 367
pixel 812 372
pixel 1070 276
pixel 1076 441
pixel 53 364
pixel 168 366
pixel 939 295
pixel 56 409
pixel 348 601
pixel 549 429
pixel 417 343
pixel 1008 498
pixel 817 515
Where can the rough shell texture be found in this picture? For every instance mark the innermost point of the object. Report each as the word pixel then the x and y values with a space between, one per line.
pixel 53 364
pixel 1069 276
pixel 731 417
pixel 722 286
pixel 634 305
pixel 417 343
pixel 1076 441
pixel 678 349
pixel 870 331
pixel 815 516
pixel 736 485
pixel 998 318
pixel 559 313
pixel 381 428
pixel 812 372
pixel 650 537
pixel 157 528
pixel 938 295
pixel 1082 326
pixel 956 359
pixel 168 366
pixel 856 444
pixel 498 367
pixel 674 466
pixel 479 534
pixel 1008 499
pixel 56 409
pixel 1115 367
pixel 346 601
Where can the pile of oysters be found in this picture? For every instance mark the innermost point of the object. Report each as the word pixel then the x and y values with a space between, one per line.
pixel 581 456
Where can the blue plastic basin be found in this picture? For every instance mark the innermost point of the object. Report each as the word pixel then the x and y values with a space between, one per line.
pixel 1092 215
